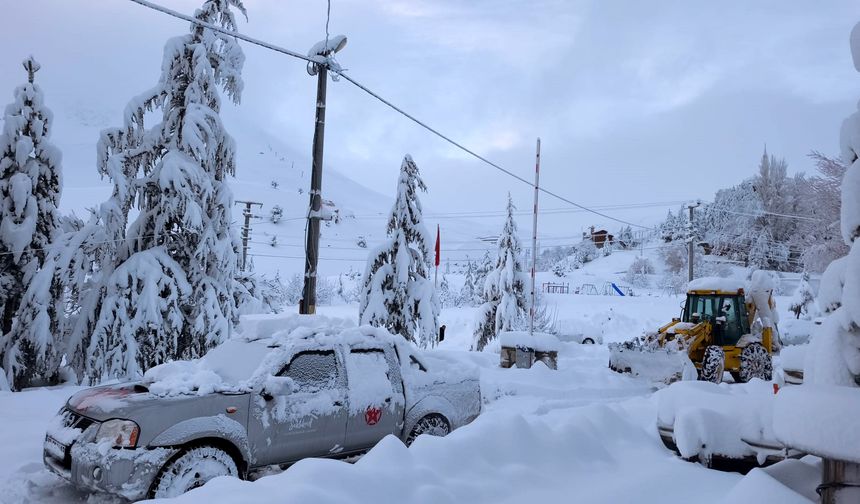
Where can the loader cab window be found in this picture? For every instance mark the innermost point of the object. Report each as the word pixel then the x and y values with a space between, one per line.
pixel 699 308
pixel 733 320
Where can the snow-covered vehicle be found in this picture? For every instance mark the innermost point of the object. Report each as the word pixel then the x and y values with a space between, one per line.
pixel 314 387
pixel 579 331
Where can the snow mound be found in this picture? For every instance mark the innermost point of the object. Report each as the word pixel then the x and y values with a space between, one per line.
pixel 820 420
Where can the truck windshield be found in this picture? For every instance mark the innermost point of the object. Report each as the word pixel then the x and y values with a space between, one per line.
pixel 236 360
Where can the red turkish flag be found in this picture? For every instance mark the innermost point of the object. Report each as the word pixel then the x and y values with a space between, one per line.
pixel 438 246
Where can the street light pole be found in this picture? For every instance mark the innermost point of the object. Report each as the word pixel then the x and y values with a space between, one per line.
pixel 307 305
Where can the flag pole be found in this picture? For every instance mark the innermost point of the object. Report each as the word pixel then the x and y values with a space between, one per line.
pixel 534 240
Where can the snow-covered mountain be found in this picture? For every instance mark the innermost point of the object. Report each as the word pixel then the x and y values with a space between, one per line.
pixel 275 172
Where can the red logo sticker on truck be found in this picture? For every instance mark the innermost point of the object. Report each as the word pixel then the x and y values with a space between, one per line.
pixel 372 415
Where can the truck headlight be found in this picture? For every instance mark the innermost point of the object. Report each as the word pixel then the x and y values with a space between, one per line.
pixel 122 433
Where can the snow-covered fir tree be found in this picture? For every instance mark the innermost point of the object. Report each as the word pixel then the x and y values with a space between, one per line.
pixel 505 306
pixel 168 290
pixel 30 186
pixel 398 292
pixel 447 297
pixel 469 292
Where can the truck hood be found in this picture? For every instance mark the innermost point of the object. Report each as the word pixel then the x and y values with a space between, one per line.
pixel 110 401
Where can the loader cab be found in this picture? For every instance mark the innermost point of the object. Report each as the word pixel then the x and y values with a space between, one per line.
pixel 726 312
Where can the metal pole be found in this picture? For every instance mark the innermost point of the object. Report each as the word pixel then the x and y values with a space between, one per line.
pixel 246 229
pixel 690 240
pixel 534 238
pixel 307 306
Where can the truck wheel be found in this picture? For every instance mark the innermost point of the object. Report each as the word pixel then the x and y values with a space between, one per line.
pixel 713 365
pixel 587 341
pixel 755 363
pixel 433 425
pixel 192 468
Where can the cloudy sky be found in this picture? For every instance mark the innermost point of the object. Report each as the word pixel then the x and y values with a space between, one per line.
pixel 635 102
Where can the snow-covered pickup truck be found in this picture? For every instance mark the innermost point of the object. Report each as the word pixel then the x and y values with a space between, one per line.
pixel 314 387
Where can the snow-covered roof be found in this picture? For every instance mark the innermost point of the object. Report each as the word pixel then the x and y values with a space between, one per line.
pixel 716 284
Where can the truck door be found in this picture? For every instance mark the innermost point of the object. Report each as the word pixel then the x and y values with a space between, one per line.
pixel 310 421
pixel 376 402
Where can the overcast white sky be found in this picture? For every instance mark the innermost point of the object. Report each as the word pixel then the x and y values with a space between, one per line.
pixel 634 101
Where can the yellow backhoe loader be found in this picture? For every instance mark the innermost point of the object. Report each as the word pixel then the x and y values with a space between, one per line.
pixel 723 327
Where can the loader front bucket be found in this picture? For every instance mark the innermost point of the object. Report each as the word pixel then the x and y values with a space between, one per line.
pixel 657 364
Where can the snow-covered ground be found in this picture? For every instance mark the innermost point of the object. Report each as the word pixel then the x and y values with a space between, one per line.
pixel 582 433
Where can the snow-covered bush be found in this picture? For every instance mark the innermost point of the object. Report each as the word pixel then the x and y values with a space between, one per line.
pixel 625 238
pixel 505 307
pixel 447 297
pixel 276 214
pixel 293 290
pixel 398 291
pixel 637 273
pixel 803 301
pixel 31 348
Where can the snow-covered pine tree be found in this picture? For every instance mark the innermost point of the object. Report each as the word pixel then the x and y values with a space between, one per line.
pixel 171 293
pixel 30 186
pixel 398 292
pixel 505 306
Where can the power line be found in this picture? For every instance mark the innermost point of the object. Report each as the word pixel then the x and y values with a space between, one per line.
pixel 787 216
pixel 340 72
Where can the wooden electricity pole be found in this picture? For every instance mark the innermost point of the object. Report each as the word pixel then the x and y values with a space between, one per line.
pixel 308 303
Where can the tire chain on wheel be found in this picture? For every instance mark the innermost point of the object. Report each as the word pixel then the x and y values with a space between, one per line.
pixel 713 364
pixel 755 363
pixel 433 425
pixel 175 471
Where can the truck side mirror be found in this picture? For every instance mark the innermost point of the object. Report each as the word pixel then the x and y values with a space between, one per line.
pixel 277 386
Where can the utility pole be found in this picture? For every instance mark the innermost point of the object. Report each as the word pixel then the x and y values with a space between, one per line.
pixel 690 240
pixel 534 239
pixel 246 229
pixel 308 303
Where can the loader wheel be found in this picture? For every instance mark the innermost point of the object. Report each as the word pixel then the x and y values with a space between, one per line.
pixel 713 365
pixel 755 363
